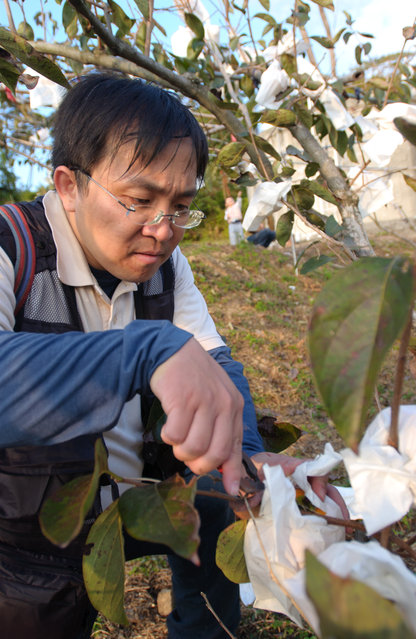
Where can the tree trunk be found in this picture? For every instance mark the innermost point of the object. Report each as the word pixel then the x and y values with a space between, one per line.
pixel 347 200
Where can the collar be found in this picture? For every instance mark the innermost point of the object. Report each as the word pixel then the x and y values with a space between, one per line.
pixel 71 264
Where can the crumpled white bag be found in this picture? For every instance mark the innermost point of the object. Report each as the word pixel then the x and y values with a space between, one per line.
pixel 369 563
pixel 266 198
pixel 45 93
pixel 285 534
pixel 335 110
pixel 384 479
pixel 272 82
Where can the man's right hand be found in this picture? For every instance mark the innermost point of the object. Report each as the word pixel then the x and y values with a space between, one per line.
pixel 204 413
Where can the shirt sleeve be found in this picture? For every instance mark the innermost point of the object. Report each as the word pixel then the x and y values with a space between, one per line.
pixel 57 387
pixel 191 311
pixel 252 441
pixel 191 314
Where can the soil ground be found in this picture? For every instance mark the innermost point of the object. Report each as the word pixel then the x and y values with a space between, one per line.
pixel 262 308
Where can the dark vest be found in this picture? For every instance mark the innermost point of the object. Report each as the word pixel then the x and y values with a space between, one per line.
pixel 29 474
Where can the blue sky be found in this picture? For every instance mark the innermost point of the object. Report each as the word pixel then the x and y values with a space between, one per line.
pixel 382 18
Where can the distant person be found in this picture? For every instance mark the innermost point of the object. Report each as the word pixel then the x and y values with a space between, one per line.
pixel 263 236
pixel 234 217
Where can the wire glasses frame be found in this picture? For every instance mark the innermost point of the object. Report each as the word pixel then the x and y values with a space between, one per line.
pixel 185 219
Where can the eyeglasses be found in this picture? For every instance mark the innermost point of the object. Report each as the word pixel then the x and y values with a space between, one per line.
pixel 145 215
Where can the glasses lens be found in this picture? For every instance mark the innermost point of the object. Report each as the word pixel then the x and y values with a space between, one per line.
pixel 194 219
pixel 184 219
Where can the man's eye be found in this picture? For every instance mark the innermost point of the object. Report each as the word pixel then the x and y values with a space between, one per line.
pixel 140 202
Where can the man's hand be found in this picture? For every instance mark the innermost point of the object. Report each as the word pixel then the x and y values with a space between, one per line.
pixel 204 413
pixel 319 485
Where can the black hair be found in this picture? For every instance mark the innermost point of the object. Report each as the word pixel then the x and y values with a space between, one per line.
pixel 101 112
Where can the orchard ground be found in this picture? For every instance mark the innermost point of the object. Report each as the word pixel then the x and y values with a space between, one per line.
pixel 262 309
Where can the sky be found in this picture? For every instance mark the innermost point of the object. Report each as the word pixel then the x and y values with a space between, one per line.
pixel 376 17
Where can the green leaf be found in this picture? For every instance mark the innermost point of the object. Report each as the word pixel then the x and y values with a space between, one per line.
pixel 349 609
pixel 68 15
pixel 62 515
pixel 195 24
pixel 326 4
pixel 277 436
pixel 265 4
pixel 120 19
pixel 356 318
pixel 265 146
pixel 410 181
pixel 311 168
pixel 407 129
pixel 246 85
pixel 194 48
pixel 23 51
pixel 284 227
pixel 319 190
pixel 229 555
pixel 288 63
pixel 267 18
pixel 231 153
pixel 380 83
pixel 332 228
pixel 293 150
pixel 279 117
pixel 143 8
pixel 315 262
pixel 301 197
pixel 304 113
pixel 25 30
pixel 246 179
pixel 325 42
pixel 163 513
pixel 9 74
pixel 103 567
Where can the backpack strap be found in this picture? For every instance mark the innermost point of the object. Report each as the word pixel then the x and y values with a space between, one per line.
pixel 24 268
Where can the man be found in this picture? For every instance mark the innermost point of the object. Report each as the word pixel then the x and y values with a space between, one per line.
pixel 234 217
pixel 78 361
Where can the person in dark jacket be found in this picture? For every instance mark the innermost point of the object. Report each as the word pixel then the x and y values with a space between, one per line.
pixel 112 319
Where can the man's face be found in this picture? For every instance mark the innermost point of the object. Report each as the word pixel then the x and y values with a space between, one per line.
pixel 110 239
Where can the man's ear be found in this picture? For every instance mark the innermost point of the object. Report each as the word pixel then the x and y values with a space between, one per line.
pixel 66 187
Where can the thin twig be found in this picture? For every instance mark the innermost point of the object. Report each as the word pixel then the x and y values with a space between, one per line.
pixel 403 545
pixel 149 28
pixel 386 97
pixel 329 36
pixel 212 611
pixel 9 16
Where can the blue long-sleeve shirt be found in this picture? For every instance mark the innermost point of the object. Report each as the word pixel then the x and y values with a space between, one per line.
pixel 57 387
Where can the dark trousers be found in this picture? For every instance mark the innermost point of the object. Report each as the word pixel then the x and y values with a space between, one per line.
pixel 45 599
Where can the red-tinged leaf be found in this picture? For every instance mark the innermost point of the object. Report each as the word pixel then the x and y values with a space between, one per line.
pixel 356 318
pixel 103 567
pixel 163 513
pixel 62 515
pixel 349 609
pixel 229 555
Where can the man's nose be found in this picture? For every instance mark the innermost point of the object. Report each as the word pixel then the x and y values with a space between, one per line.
pixel 162 231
